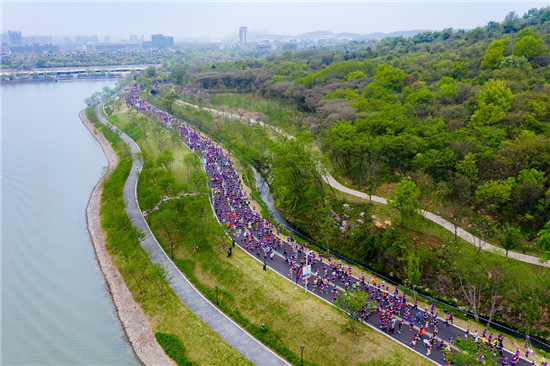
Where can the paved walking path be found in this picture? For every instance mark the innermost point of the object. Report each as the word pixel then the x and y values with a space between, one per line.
pixel 233 334
pixel 327 177
pixel 135 323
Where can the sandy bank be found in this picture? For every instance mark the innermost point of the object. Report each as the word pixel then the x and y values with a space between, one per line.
pixel 134 321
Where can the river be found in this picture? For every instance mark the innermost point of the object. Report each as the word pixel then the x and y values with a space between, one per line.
pixel 56 308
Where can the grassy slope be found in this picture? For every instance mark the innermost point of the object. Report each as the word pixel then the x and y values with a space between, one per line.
pixel 169 314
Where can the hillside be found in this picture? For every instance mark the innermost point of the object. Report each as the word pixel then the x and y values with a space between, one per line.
pixel 451 121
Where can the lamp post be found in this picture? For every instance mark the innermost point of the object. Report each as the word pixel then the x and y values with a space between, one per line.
pixel 217 297
pixel 302 356
pixel 172 249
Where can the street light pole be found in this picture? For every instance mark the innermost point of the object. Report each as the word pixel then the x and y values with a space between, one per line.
pixel 217 297
pixel 302 356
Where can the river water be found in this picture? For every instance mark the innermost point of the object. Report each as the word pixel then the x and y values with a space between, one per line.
pixel 56 309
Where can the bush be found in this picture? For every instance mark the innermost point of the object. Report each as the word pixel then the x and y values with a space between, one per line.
pixel 173 348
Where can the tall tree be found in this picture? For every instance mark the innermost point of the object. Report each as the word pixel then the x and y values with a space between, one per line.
pixel 352 302
pixel 405 199
pixel 510 238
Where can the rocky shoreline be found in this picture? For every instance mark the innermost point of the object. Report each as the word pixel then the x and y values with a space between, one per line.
pixel 134 321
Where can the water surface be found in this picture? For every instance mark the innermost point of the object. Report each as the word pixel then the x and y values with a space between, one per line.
pixel 56 309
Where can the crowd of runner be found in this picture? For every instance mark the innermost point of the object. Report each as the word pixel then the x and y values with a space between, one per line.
pixel 328 277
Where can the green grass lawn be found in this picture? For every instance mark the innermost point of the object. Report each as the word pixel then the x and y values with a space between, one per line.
pixel 265 297
pixel 166 313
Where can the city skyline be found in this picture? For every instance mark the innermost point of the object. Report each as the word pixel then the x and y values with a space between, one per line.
pixel 222 20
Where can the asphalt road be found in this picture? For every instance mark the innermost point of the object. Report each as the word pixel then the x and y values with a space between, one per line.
pixel 278 264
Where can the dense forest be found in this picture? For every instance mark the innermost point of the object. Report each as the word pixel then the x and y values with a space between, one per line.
pixel 462 113
pixel 453 121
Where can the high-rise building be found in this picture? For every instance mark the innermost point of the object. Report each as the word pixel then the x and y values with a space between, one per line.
pixel 157 40
pixel 15 38
pixel 161 41
pixel 168 41
pixel 242 35
pixel 133 38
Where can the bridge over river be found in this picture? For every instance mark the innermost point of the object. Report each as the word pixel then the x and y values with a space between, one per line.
pixel 71 72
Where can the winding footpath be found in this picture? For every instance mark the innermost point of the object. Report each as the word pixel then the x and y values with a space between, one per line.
pixel 136 326
pixel 327 177
pixel 232 333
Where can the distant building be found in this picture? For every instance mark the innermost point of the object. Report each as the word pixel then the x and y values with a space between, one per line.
pixel 15 38
pixel 168 41
pixel 34 48
pixel 161 41
pixel 157 40
pixel 242 35
pixel 107 39
pixel 111 46
pixel 133 38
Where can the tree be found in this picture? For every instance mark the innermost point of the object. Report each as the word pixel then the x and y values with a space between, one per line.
pixel 297 183
pixel 525 32
pixel 151 72
pixel 543 240
pixel 166 160
pixel 487 115
pixel 412 269
pixel 493 100
pixel 498 272
pixel 167 183
pixel 459 70
pixel 177 74
pixel 198 181
pixel 133 270
pixel 437 163
pixel 495 193
pixel 494 54
pixel 476 34
pixel 495 92
pixel 166 101
pixel 510 238
pixel 470 353
pixel 352 302
pixel 510 22
pixel 472 280
pixel 191 163
pixel 421 95
pixel 388 77
pixel 162 278
pixel 518 62
pixel 447 86
pixel 528 47
pixel 160 138
pixel 532 293
pixel 404 199
pixel 468 168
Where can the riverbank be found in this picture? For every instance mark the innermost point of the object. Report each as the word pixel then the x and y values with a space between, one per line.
pixel 134 321
pixel 51 80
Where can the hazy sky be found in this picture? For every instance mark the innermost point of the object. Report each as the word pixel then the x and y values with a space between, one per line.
pixel 191 20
